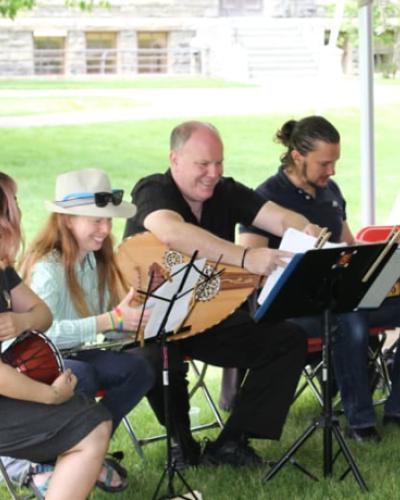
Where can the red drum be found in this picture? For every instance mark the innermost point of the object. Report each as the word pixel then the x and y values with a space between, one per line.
pixel 34 355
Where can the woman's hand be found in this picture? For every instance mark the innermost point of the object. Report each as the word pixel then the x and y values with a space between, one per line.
pixel 63 387
pixel 11 325
pixel 131 315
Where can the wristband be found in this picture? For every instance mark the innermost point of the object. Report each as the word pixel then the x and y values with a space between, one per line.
pixel 244 256
pixel 113 326
pixel 119 317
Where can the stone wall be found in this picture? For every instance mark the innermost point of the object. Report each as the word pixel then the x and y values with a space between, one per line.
pixel 75 59
pixel 16 53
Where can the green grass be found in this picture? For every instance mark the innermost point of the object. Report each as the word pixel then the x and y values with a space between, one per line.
pixel 129 83
pixel 40 105
pixel 377 463
pixel 128 151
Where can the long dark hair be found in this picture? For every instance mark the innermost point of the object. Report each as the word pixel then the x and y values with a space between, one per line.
pixel 302 135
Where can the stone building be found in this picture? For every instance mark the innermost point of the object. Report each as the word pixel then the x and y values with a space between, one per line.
pixel 242 39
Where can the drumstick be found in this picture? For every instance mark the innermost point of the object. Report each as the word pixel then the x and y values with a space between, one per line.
pixel 323 237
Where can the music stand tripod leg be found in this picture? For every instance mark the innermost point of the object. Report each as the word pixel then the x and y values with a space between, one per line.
pixel 349 457
pixel 170 469
pixel 291 451
pixel 327 421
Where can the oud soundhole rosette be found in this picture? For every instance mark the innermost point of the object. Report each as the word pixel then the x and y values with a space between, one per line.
pixel 208 288
pixel 172 258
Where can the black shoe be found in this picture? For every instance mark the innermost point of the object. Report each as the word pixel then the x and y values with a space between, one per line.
pixel 186 457
pixel 235 453
pixel 391 419
pixel 363 434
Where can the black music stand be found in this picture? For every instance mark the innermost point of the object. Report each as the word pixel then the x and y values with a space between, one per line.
pixel 162 335
pixel 324 282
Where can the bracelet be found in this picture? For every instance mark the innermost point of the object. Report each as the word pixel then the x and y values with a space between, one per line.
pixel 112 320
pixel 119 317
pixel 244 256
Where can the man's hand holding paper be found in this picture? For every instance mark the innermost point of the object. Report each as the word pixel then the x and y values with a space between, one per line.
pixel 264 260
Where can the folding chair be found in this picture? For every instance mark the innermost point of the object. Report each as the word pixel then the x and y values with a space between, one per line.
pixel 10 485
pixel 376 361
pixel 373 234
pixel 199 374
pixel 312 369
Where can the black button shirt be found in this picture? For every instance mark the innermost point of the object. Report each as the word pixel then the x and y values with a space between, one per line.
pixel 230 204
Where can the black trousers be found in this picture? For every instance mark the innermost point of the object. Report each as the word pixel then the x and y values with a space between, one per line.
pixel 274 354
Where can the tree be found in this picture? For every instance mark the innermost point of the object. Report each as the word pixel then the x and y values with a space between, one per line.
pixel 10 8
pixel 386 27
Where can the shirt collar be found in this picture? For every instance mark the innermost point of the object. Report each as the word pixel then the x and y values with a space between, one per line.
pixel 319 192
pixel 88 264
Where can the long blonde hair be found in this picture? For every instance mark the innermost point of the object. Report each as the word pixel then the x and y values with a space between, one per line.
pixel 10 220
pixel 57 236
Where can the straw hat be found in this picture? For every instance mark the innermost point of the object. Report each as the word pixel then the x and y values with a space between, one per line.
pixel 88 192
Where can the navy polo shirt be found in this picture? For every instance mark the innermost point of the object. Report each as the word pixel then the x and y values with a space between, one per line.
pixel 327 208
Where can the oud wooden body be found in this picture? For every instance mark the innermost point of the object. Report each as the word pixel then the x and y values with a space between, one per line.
pixel 139 253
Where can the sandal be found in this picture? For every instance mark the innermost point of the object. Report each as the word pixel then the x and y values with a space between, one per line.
pixel 112 466
pixel 116 465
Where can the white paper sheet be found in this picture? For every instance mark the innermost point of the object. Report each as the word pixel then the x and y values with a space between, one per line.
pixel 296 242
pixel 168 290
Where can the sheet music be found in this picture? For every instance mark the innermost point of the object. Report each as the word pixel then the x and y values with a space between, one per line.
pixel 379 289
pixel 167 290
pixel 294 241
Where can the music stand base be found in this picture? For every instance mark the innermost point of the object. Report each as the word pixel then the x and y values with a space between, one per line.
pixel 169 472
pixel 328 428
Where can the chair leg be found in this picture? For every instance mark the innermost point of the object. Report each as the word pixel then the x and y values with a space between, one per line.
pixel 200 384
pixel 309 374
pixel 377 360
pixel 135 441
pixel 10 485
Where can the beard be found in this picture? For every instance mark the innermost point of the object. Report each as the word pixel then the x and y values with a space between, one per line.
pixel 310 182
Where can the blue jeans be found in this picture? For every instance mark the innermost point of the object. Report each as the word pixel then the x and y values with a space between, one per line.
pixel 125 377
pixel 350 359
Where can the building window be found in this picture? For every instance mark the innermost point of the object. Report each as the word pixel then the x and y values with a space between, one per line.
pixel 49 55
pixel 101 52
pixel 152 53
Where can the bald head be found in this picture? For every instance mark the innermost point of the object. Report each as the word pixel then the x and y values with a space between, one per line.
pixel 183 132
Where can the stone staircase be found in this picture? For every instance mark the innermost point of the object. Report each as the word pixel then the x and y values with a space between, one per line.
pixel 280 47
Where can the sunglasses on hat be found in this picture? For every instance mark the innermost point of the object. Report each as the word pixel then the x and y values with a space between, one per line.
pixel 101 199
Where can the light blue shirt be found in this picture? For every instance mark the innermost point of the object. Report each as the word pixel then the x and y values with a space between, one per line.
pixel 49 282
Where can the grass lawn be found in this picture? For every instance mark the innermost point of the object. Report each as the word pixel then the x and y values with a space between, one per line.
pixel 129 83
pixel 128 151
pixel 131 150
pixel 377 463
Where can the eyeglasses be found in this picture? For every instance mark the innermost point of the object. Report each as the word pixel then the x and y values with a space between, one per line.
pixel 103 198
